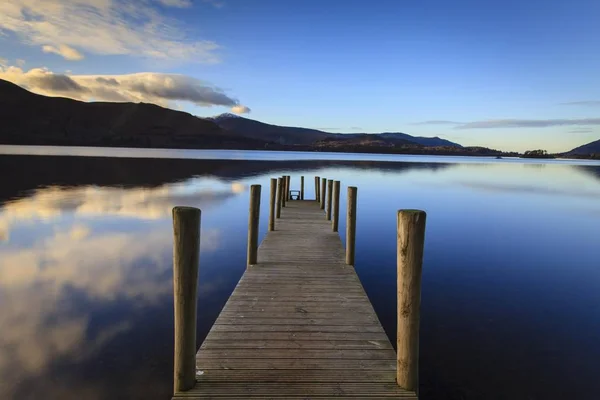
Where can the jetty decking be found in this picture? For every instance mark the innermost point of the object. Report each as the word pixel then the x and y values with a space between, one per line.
pixel 299 323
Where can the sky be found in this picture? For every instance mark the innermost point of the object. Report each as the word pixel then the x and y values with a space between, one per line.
pixel 510 75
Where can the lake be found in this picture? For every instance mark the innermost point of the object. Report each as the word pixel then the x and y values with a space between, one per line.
pixel 511 280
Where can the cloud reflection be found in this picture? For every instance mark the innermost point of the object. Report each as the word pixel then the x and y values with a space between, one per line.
pixel 143 203
pixel 44 283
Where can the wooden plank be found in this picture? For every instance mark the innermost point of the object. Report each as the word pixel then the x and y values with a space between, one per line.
pixel 301 363
pixel 296 336
pixel 281 389
pixel 298 354
pixel 292 375
pixel 296 344
pixel 298 324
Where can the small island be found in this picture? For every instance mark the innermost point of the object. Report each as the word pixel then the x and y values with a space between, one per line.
pixel 537 154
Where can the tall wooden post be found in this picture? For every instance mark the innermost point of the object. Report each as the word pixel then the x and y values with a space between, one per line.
pixel 336 206
pixel 284 197
pixel 351 226
pixel 186 249
pixel 317 186
pixel 289 185
pixel 302 188
pixel 279 196
pixel 411 239
pixel 272 205
pixel 329 193
pixel 253 218
pixel 323 192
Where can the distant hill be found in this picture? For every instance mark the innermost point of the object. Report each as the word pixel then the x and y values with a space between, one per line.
pixel 32 119
pixel 302 136
pixel 590 150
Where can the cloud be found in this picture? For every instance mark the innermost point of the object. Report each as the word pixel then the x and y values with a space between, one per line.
pixel 141 203
pixel 20 62
pixel 148 87
pixel 240 109
pixel 68 53
pixel 581 131
pixel 176 3
pixel 40 325
pixel 582 103
pixel 437 122
pixel 356 128
pixel 215 3
pixel 106 27
pixel 527 123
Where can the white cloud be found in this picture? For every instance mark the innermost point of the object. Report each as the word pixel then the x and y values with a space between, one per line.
pixel 176 3
pixel 143 203
pixel 148 87
pixel 106 27
pixel 528 123
pixel 68 53
pixel 240 109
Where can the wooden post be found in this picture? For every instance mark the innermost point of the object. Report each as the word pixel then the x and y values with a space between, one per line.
pixel 329 193
pixel 411 238
pixel 253 224
pixel 323 192
pixel 186 249
pixel 289 182
pixel 351 226
pixel 317 183
pixel 336 205
pixel 279 196
pixel 302 188
pixel 284 197
pixel 272 205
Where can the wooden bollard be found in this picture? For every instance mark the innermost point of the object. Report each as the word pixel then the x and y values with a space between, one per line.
pixel 329 197
pixel 323 192
pixel 284 197
pixel 186 248
pixel 272 205
pixel 279 196
pixel 289 185
pixel 336 206
pixel 302 188
pixel 253 218
pixel 317 186
pixel 411 238
pixel 351 226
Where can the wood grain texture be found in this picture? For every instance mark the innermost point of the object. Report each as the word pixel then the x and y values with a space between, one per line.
pixel 411 238
pixel 272 204
pixel 323 192
pixel 279 196
pixel 298 324
pixel 253 218
pixel 186 251
pixel 351 225
pixel 329 198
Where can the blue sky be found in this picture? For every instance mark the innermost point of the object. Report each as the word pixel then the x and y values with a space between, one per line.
pixel 496 74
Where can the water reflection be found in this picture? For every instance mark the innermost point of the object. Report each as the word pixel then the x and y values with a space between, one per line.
pixel 85 269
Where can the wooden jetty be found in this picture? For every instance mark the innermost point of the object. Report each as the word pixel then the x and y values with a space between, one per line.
pixel 299 323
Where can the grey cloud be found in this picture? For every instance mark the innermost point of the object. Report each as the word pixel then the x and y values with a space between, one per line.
pixel 185 90
pixel 438 122
pixel 581 131
pixel 582 103
pixel 56 83
pixel 527 123
pixel 109 82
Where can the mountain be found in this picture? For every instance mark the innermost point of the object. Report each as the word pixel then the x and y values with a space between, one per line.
pixel 31 119
pixel 589 149
pixel 28 118
pixel 302 136
pixel 272 133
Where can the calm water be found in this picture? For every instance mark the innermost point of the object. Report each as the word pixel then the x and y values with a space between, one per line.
pixel 511 285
